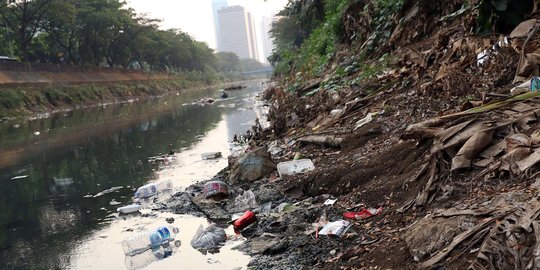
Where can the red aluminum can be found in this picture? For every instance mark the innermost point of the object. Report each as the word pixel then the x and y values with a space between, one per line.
pixel 215 188
pixel 244 221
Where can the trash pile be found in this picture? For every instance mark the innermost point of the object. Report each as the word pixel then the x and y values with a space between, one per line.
pixel 434 161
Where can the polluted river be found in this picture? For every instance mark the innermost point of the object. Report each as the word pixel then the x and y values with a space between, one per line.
pixel 64 176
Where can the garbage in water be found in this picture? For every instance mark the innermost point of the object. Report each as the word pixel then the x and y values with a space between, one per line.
pixel 208 239
pixel 114 202
pixel 337 228
pixel 19 177
pixel 363 214
pixel 146 191
pixel 151 239
pixel 164 185
pixel 295 167
pixel 128 209
pixel 215 189
pixel 107 191
pixel 163 158
pixel 245 220
pixel 142 260
pixel 152 189
pixel 211 155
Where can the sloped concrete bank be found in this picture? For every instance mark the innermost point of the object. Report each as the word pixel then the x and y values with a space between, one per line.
pixel 37 74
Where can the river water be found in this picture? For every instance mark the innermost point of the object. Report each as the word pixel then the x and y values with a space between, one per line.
pixel 52 168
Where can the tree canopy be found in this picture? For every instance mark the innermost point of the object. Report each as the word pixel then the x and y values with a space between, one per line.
pixel 101 33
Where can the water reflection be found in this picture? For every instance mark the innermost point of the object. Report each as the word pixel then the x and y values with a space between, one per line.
pixel 47 178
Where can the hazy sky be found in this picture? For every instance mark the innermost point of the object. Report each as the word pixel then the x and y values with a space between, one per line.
pixel 195 16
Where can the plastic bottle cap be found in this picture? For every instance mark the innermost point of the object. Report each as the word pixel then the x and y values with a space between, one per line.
pixel 175 230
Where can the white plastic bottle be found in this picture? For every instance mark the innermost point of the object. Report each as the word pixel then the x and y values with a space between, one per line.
pixel 149 240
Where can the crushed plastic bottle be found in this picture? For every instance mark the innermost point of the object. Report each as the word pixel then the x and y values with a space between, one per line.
pixel 149 240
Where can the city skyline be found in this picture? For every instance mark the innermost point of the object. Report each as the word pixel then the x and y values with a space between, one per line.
pixel 196 17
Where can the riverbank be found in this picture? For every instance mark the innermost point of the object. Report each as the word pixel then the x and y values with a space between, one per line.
pixel 433 162
pixel 18 101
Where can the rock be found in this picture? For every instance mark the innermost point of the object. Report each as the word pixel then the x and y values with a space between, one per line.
pixel 251 166
pixel 170 220
pixel 432 234
pixel 263 243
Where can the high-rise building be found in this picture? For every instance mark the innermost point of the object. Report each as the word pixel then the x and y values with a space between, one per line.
pixel 266 39
pixel 252 36
pixel 217 5
pixel 237 32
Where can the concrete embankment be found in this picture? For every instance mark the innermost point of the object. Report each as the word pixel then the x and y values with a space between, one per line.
pixel 36 74
pixel 28 88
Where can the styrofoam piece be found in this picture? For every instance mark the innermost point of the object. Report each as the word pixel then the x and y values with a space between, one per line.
pixel 295 167
pixel 211 155
pixel 128 209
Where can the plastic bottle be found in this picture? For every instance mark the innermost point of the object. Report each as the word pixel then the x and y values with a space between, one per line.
pixel 149 256
pixel 244 221
pixel 149 240
pixel 164 185
pixel 152 189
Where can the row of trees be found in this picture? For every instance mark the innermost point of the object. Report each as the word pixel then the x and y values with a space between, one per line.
pixel 101 32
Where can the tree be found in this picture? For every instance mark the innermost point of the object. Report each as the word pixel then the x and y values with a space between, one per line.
pixel 227 62
pixel 60 24
pixel 23 17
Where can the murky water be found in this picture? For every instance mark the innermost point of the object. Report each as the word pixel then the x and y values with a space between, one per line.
pixel 50 170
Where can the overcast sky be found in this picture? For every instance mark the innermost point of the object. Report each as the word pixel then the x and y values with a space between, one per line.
pixel 195 16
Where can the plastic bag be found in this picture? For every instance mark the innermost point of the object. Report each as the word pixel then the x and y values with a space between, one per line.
pixel 246 201
pixel 209 238
pixel 337 228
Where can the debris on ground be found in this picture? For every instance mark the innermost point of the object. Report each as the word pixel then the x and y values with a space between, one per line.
pixel 211 155
pixel 251 166
pixel 445 139
pixel 295 167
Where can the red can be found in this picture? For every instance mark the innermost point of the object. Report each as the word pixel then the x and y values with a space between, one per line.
pixel 215 188
pixel 244 221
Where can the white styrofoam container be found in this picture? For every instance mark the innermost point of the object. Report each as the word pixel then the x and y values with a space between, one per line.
pixel 128 209
pixel 211 155
pixel 295 167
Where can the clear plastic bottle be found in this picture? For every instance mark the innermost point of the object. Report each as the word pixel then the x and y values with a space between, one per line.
pixel 149 240
pixel 149 256
pixel 152 189
pixel 164 185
